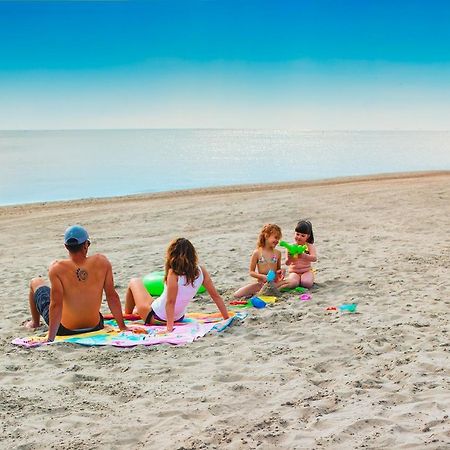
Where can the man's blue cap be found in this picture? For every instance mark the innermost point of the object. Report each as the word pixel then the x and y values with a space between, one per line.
pixel 75 235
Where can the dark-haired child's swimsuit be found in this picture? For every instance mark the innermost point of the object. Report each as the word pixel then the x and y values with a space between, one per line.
pixel 297 267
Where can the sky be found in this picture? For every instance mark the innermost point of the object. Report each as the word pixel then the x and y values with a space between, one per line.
pixel 300 64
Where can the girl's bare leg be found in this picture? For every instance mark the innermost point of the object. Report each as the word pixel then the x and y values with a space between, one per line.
pixel 137 296
pixel 248 290
pixel 307 280
pixel 291 281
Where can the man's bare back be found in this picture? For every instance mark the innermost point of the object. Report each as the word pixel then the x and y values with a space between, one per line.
pixel 82 289
pixel 72 303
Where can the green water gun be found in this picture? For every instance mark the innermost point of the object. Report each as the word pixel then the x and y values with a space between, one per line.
pixel 294 249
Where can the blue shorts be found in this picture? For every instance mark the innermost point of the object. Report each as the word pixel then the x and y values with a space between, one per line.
pixel 42 302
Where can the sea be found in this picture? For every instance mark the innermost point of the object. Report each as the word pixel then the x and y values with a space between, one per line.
pixel 44 166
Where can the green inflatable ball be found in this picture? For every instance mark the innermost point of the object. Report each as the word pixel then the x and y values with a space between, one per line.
pixel 154 283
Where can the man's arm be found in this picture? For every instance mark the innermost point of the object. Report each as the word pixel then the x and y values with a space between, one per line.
pixel 56 303
pixel 112 297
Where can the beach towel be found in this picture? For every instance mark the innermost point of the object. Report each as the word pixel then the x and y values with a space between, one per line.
pixel 192 327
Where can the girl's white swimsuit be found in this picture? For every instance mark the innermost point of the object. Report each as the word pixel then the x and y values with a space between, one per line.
pixel 185 294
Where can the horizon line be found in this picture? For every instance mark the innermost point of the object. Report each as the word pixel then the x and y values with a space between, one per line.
pixel 226 128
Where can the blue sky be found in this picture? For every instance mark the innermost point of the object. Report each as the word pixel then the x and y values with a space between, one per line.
pixel 222 63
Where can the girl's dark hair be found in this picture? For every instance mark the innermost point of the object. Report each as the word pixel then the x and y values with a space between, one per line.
pixel 305 227
pixel 181 257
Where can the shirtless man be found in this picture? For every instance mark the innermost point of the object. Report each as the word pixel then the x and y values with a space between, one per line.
pixel 73 303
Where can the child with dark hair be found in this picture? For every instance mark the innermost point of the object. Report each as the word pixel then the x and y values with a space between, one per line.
pixel 299 266
pixel 264 258
pixel 183 277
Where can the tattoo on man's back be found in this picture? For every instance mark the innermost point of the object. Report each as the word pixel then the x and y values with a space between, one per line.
pixel 82 274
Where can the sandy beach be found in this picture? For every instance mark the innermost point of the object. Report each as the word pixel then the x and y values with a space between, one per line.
pixel 291 376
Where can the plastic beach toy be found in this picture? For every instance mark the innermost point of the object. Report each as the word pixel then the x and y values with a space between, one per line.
pixel 350 307
pixel 268 298
pixel 294 249
pixel 239 302
pixel 257 302
pixel 305 297
pixel 300 289
pixel 270 275
pixel 154 283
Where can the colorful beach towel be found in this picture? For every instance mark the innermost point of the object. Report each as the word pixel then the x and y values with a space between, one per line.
pixel 193 326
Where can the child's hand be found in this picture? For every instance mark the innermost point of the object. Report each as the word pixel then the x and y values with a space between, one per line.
pixel 262 278
pixel 280 275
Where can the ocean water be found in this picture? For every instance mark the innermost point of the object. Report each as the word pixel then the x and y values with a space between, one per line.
pixel 40 166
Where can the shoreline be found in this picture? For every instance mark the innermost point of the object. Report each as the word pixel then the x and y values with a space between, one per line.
pixel 239 188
